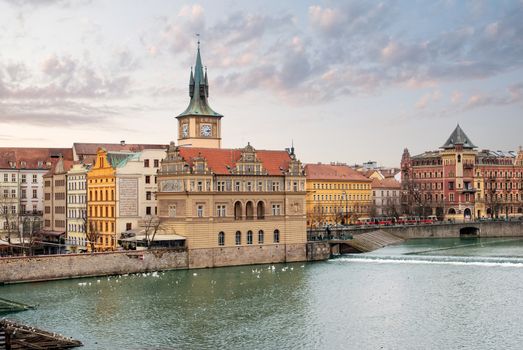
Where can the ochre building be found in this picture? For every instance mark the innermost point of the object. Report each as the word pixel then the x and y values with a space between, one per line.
pixel 101 186
pixel 336 194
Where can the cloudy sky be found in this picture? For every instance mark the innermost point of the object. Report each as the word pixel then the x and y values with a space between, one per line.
pixel 347 81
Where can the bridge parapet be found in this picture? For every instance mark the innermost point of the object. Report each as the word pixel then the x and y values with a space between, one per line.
pixel 444 229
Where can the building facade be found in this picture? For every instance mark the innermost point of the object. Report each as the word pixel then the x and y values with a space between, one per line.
pixel 76 240
pixel 136 187
pixel 336 194
pixel 101 204
pixel 233 206
pixel 386 197
pixel 22 188
pixel 458 182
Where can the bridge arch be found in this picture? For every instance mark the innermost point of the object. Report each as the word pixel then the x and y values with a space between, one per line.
pixel 469 231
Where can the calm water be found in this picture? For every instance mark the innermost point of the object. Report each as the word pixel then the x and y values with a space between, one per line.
pixel 424 294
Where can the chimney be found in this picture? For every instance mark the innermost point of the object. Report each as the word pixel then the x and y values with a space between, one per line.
pixel 122 143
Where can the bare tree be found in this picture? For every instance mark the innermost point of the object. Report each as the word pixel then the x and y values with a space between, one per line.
pixel 316 217
pixel 414 199
pixel 151 225
pixel 30 234
pixel 492 195
pixel 91 233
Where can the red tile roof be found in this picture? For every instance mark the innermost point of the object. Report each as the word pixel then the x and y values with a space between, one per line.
pixel 388 182
pixel 14 157
pixel 219 159
pixel 333 172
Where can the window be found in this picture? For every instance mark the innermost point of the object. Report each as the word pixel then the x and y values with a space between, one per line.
pixel 276 236
pixel 200 186
pixel 23 180
pixel 260 210
pixel 148 195
pixel 238 210
pixel 249 237
pixel 128 226
pixel 220 210
pixel 260 237
pixel 35 193
pixel 238 238
pixel 260 186
pixel 146 163
pixel 156 163
pixel 147 179
pixel 221 239
pixel 275 186
pixel 199 210
pixel 249 186
pixel 237 186
pixel 221 186
pixel 6 177
pixel 276 209
pixel 147 210
pixel 35 178
pixel 13 193
pixel 13 177
pixel 172 211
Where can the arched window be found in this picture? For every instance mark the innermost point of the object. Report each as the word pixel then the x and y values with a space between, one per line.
pixel 459 158
pixel 451 211
pixel 249 237
pixel 260 237
pixel 276 236
pixel 249 210
pixel 238 238
pixel 238 210
pixel 260 210
pixel 221 239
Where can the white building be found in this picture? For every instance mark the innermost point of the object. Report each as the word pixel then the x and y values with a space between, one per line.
pixel 136 186
pixel 76 240
pixel 22 186
pixel 386 195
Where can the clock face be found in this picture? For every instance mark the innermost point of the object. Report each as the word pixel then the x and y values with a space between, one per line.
pixel 206 130
pixel 185 130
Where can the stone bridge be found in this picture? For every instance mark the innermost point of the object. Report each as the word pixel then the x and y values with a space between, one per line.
pixel 347 239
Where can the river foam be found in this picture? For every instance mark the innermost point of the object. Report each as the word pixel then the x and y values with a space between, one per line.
pixel 427 259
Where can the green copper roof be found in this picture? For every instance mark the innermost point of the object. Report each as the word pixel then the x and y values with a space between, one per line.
pixel 199 91
pixel 119 160
pixel 458 137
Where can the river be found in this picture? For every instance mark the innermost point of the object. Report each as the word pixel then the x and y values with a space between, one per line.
pixel 423 294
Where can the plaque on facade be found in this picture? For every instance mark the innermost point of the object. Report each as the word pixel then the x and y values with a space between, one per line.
pixel 128 197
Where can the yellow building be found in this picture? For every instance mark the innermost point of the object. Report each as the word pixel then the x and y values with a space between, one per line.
pixel 336 194
pixel 101 220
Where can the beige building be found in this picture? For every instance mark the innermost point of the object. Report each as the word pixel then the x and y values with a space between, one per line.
pixel 233 206
pixel 55 204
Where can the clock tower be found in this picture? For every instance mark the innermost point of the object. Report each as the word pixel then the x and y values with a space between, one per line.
pixel 199 125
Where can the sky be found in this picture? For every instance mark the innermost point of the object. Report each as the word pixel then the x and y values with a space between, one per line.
pixel 344 81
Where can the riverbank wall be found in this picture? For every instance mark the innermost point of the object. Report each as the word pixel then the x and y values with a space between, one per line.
pixel 55 267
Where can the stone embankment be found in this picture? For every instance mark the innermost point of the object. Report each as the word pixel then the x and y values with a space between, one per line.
pixel 54 267
pixel 369 241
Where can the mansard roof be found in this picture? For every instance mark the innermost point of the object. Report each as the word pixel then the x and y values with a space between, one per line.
pixel 32 158
pixel 220 161
pixel 458 137
pixel 333 172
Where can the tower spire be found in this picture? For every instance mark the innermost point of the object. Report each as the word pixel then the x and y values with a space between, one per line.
pixel 199 89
